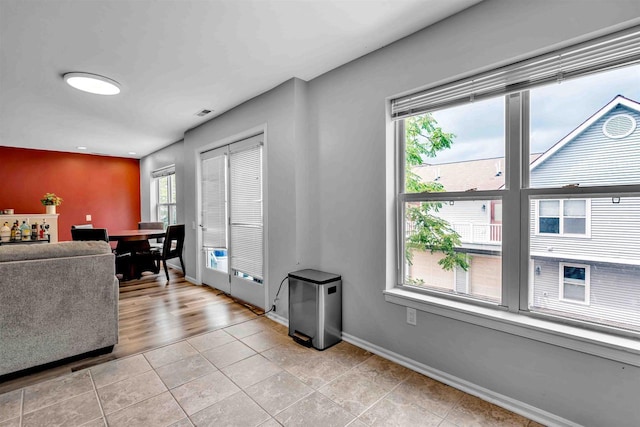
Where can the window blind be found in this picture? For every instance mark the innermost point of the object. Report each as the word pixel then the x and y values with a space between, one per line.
pixel 612 51
pixel 214 200
pixel 246 210
pixel 166 171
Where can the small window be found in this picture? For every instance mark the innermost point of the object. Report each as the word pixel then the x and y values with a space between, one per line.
pixel 563 217
pixel 549 216
pixel 166 209
pixel 574 283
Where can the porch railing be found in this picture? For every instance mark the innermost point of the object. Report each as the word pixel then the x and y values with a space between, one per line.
pixel 471 232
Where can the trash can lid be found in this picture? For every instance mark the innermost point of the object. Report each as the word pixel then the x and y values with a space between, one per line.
pixel 314 276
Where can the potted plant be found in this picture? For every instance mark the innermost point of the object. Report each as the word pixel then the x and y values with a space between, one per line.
pixel 50 201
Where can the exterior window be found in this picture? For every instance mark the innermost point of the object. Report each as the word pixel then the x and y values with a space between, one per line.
pixel 563 217
pixel 549 216
pixel 483 155
pixel 453 244
pixel 574 283
pixel 166 210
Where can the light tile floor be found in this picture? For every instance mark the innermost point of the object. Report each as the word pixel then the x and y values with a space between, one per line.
pixel 250 374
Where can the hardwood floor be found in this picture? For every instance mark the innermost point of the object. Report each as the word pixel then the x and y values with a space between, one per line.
pixel 153 313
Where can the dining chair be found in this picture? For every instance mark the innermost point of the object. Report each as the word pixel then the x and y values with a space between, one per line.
pixel 123 261
pixel 159 225
pixel 172 247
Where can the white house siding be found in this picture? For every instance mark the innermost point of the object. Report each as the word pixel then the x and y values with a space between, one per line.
pixel 593 159
pixel 466 212
pixel 614 292
pixel 615 234
pixel 468 219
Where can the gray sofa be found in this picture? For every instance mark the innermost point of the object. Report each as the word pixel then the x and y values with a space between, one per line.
pixel 57 300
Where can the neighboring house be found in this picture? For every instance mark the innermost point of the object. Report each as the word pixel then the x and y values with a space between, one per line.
pixel 585 253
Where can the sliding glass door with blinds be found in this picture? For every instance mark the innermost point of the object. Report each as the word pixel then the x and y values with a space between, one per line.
pixel 232 226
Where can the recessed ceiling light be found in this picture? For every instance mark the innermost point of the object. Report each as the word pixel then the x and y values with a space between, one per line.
pixel 92 83
pixel 132 152
pixel 81 148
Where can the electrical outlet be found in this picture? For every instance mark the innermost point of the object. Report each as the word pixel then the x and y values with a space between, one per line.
pixel 87 218
pixel 411 316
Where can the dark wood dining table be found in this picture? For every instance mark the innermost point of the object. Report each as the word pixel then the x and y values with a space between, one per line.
pixel 136 243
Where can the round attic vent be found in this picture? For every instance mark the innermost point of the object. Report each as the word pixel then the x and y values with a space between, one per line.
pixel 619 126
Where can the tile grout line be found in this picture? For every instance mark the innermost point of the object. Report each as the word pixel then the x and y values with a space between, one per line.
pixel 59 401
pixel 130 405
pixel 95 391
pixel 455 404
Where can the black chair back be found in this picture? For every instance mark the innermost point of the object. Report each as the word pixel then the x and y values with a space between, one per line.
pixel 152 226
pixel 90 234
pixel 172 248
pixel 173 242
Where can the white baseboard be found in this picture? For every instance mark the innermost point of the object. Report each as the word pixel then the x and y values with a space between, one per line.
pixel 503 401
pixel 531 412
pixel 277 318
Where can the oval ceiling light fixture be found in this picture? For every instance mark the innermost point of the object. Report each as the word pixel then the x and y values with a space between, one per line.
pixel 92 83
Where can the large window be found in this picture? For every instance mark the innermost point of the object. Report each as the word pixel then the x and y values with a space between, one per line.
pixel 165 187
pixel 519 192
pixel 452 219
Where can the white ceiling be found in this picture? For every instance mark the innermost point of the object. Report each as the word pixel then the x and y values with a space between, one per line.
pixel 174 58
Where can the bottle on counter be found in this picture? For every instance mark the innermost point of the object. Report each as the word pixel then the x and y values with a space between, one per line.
pixel 34 230
pixel 13 231
pixel 41 231
pixel 18 232
pixel 5 232
pixel 25 230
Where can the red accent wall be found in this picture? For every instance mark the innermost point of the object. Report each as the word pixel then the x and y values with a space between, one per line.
pixel 107 188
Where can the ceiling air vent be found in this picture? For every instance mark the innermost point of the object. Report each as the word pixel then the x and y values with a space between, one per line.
pixel 203 113
pixel 619 126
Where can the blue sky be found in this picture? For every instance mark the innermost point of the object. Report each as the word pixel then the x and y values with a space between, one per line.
pixel 556 110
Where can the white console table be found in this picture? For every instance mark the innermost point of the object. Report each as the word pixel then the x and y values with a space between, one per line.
pixel 51 219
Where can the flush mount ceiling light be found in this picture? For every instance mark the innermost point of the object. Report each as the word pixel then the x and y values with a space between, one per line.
pixel 92 83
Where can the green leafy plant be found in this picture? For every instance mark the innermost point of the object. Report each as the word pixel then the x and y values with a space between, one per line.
pixel 50 199
pixel 424 138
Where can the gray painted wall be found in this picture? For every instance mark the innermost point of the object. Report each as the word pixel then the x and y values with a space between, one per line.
pixel 281 113
pixel 355 208
pixel 330 201
pixel 171 155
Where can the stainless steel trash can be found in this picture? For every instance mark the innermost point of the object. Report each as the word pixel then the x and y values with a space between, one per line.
pixel 315 308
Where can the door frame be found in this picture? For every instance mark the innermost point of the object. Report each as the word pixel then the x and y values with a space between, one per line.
pixel 237 137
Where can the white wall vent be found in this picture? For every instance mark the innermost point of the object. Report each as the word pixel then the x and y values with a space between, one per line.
pixel 619 126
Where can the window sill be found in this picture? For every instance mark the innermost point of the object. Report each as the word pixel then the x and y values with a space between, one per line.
pixel 612 347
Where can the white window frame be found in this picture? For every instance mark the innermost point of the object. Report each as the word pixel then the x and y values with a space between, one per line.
pixel 561 232
pixel 587 283
pixel 172 182
pixel 512 315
